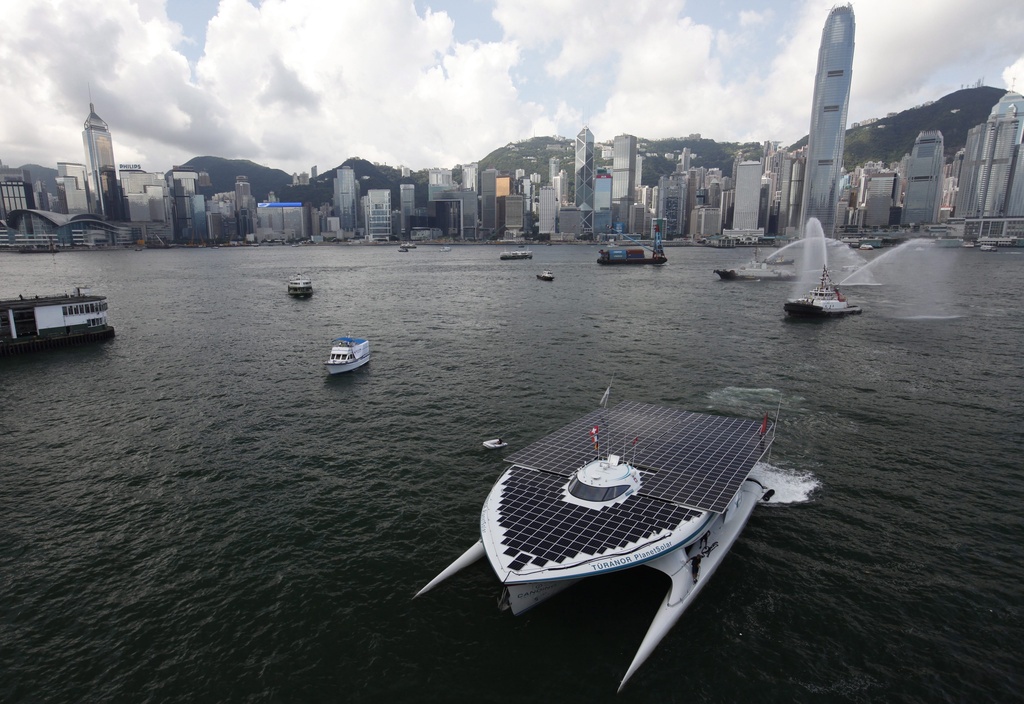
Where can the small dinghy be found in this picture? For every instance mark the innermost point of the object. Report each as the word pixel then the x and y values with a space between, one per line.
pixel 495 444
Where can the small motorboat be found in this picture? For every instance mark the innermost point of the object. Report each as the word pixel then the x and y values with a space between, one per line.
pixel 347 353
pixel 823 301
pixel 495 444
pixel 300 287
pixel 546 276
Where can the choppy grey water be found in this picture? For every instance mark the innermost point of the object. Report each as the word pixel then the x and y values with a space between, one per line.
pixel 195 511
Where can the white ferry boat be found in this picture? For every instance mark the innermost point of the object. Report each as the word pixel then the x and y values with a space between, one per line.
pixel 348 353
pixel 35 323
pixel 517 253
pixel 300 287
pixel 636 484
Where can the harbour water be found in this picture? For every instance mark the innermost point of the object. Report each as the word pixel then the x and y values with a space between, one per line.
pixel 196 511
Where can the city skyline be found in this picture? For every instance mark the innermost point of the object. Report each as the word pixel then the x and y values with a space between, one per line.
pixel 291 84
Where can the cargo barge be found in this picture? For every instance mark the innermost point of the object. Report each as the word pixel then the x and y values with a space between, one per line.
pixel 630 255
pixel 50 322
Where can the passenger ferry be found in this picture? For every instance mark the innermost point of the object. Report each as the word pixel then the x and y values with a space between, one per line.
pixel 33 324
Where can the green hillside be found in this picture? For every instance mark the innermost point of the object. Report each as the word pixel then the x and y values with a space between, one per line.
pixel 890 138
pixel 887 140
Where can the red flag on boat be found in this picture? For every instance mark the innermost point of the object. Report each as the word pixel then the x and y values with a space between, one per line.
pixel 764 424
pixel 594 434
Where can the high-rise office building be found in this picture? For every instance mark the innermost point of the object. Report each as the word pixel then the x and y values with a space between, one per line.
pixel 924 180
pixel 554 166
pixel 346 195
pixel 880 193
pixel 72 194
pixel 585 179
pixel 623 176
pixel 992 174
pixel 245 208
pixel 144 195
pixel 746 206
pixel 438 181
pixel 488 202
pixel 602 202
pixel 547 210
pixel 470 173
pixel 827 135
pixel 183 193
pixel 15 191
pixel 378 214
pixel 672 204
pixel 407 205
pixel 102 188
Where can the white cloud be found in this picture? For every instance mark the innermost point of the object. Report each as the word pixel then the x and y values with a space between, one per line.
pixel 292 83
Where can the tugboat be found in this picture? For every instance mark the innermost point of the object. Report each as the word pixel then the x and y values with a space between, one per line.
pixel 636 484
pixel 546 276
pixel 823 301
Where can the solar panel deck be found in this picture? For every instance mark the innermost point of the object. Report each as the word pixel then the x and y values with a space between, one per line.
pixel 693 459
pixel 688 462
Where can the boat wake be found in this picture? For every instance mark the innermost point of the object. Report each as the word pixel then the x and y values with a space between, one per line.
pixel 791 486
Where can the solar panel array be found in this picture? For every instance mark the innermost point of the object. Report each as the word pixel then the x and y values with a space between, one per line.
pixel 540 528
pixel 695 459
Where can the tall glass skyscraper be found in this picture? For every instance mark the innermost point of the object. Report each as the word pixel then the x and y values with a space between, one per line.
pixel 346 193
pixel 623 176
pixel 585 179
pixel 827 135
pixel 924 179
pixel 992 176
pixel 99 158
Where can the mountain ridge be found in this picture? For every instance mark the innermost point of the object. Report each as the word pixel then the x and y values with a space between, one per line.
pixel 885 139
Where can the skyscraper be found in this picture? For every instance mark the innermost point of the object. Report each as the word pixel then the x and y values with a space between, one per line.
pixel 585 179
pixel 992 175
pixel 469 176
pixel 827 135
pixel 623 176
pixel 71 189
pixel 102 190
pixel 748 195
pixel 245 208
pixel 346 194
pixel 183 191
pixel 924 180
pixel 378 214
pixel 407 205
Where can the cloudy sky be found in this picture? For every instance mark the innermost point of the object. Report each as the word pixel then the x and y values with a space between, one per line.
pixel 426 83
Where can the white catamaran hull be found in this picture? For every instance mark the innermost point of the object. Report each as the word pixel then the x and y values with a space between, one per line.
pixel 679 566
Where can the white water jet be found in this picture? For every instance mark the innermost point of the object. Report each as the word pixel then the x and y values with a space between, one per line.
pixel 914 276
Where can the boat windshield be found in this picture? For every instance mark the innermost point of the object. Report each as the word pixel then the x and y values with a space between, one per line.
pixel 596 494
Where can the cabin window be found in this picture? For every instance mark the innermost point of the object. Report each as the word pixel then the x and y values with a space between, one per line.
pixel 595 493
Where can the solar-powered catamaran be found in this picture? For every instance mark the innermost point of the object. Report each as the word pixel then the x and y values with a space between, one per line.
pixel 636 484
